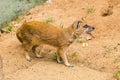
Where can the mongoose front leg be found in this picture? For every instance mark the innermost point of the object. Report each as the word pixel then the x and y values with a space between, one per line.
pixel 28 50
pixel 27 56
pixel 63 52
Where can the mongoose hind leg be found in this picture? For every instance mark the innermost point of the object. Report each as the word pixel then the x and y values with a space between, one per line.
pixel 38 51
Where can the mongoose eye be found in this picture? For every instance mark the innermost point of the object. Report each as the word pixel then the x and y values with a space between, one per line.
pixel 78 25
pixel 86 26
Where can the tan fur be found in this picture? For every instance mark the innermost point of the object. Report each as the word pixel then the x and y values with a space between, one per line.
pixel 35 33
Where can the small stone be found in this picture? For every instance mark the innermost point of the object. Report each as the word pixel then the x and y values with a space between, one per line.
pixel 85 45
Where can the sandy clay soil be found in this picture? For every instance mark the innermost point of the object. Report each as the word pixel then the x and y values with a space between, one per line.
pixel 97 61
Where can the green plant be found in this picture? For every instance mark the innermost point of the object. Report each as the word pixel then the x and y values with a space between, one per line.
pixel 54 57
pixel 9 28
pixel 107 48
pixel 61 25
pixel 79 40
pixel 117 75
pixel 74 54
pixel 50 19
pixel 90 10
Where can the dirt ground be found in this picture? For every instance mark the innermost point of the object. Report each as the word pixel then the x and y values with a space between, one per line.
pixel 98 61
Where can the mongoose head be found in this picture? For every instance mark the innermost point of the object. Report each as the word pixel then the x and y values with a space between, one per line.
pixel 80 27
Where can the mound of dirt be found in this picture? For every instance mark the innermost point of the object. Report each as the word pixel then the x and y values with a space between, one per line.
pixel 1 68
pixel 98 61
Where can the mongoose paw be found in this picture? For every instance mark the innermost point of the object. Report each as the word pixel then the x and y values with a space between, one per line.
pixel 39 56
pixel 29 59
pixel 60 62
pixel 69 65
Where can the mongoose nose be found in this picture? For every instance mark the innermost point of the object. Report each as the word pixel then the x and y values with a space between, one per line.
pixel 93 27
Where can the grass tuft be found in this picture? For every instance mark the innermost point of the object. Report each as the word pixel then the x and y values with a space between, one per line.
pixel 9 28
pixel 79 40
pixel 117 75
pixel 61 25
pixel 74 54
pixel 54 57
pixel 90 10
pixel 50 19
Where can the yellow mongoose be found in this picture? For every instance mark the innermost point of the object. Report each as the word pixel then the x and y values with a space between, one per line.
pixel 35 33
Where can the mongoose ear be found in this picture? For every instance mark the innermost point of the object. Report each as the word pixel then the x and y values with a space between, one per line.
pixel 78 24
